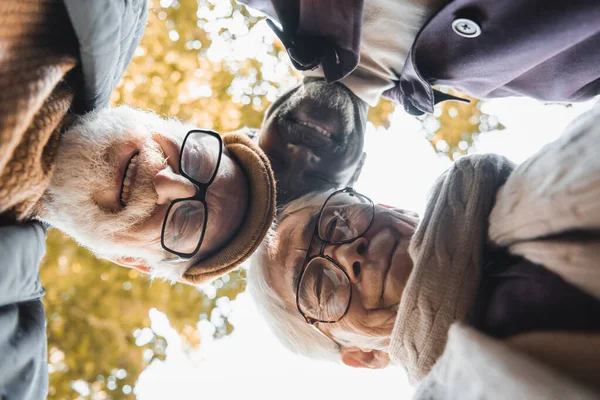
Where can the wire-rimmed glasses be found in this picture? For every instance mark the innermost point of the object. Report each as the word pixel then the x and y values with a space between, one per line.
pixel 324 290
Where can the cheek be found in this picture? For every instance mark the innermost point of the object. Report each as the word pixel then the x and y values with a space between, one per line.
pixel 229 189
pixel 146 236
pixel 266 137
pixel 355 318
pixel 376 324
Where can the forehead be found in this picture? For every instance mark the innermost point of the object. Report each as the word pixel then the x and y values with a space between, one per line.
pixel 294 233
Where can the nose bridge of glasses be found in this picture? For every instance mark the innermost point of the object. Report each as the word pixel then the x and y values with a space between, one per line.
pixel 169 186
pixel 186 188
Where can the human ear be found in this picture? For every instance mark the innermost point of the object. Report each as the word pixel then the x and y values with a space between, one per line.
pixel 358 358
pixel 131 262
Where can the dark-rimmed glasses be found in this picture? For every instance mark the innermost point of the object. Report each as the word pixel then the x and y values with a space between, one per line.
pixel 324 290
pixel 184 225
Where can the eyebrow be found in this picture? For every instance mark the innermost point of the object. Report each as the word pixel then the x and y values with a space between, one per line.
pixel 307 232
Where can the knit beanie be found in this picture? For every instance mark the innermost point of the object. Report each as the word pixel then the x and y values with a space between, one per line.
pixel 259 215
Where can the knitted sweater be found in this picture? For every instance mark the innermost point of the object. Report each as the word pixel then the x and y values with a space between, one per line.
pixel 547 211
pixel 38 52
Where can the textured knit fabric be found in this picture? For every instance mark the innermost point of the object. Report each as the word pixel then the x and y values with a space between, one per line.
pixel 477 367
pixel 38 50
pixel 549 210
pixel 259 216
pixel 447 251
pixel 546 211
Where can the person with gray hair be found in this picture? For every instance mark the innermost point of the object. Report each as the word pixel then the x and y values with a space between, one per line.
pixel 492 293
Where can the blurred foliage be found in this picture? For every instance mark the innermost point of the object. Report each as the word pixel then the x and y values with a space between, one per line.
pixel 380 114
pixel 454 125
pixel 98 324
pixel 210 63
pixel 202 62
pixel 194 63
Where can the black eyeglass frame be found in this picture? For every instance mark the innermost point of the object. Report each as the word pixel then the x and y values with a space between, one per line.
pixel 201 189
pixel 308 259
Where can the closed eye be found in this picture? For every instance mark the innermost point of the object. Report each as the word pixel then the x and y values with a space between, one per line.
pixel 180 219
pixel 319 287
pixel 331 226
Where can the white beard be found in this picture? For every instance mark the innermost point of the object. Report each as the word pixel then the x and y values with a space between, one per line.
pixel 84 166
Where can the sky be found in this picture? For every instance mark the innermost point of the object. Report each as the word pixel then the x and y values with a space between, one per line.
pixel 401 167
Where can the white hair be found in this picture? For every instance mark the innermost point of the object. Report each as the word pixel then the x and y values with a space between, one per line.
pixel 286 323
pixel 67 204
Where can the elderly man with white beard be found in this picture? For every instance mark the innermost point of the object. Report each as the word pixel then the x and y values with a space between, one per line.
pixel 156 195
pixel 58 58
pixel 160 196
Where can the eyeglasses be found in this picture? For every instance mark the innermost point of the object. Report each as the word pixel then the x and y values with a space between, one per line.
pixel 185 221
pixel 324 290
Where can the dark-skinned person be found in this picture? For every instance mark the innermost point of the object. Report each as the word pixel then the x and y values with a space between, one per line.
pixel 352 52
pixel 314 138
pixel 493 294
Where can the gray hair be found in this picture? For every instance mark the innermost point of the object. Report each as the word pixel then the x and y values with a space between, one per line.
pixel 286 323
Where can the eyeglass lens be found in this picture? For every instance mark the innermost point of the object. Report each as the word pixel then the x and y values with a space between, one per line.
pixel 325 291
pixel 345 217
pixel 200 155
pixel 184 226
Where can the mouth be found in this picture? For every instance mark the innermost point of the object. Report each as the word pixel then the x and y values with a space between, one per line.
pixel 314 127
pixel 127 175
pixel 309 133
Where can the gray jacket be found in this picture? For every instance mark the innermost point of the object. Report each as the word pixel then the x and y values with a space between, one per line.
pixel 108 32
pixel 23 365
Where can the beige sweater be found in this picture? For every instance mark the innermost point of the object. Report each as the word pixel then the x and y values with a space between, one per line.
pixel 547 211
pixel 37 56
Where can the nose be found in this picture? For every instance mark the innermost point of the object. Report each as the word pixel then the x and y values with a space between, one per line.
pixel 300 156
pixel 170 148
pixel 171 186
pixel 351 257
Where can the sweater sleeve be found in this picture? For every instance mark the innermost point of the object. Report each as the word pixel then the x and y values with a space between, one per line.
pixel 23 344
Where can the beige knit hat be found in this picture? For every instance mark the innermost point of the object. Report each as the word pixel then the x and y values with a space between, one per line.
pixel 259 216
